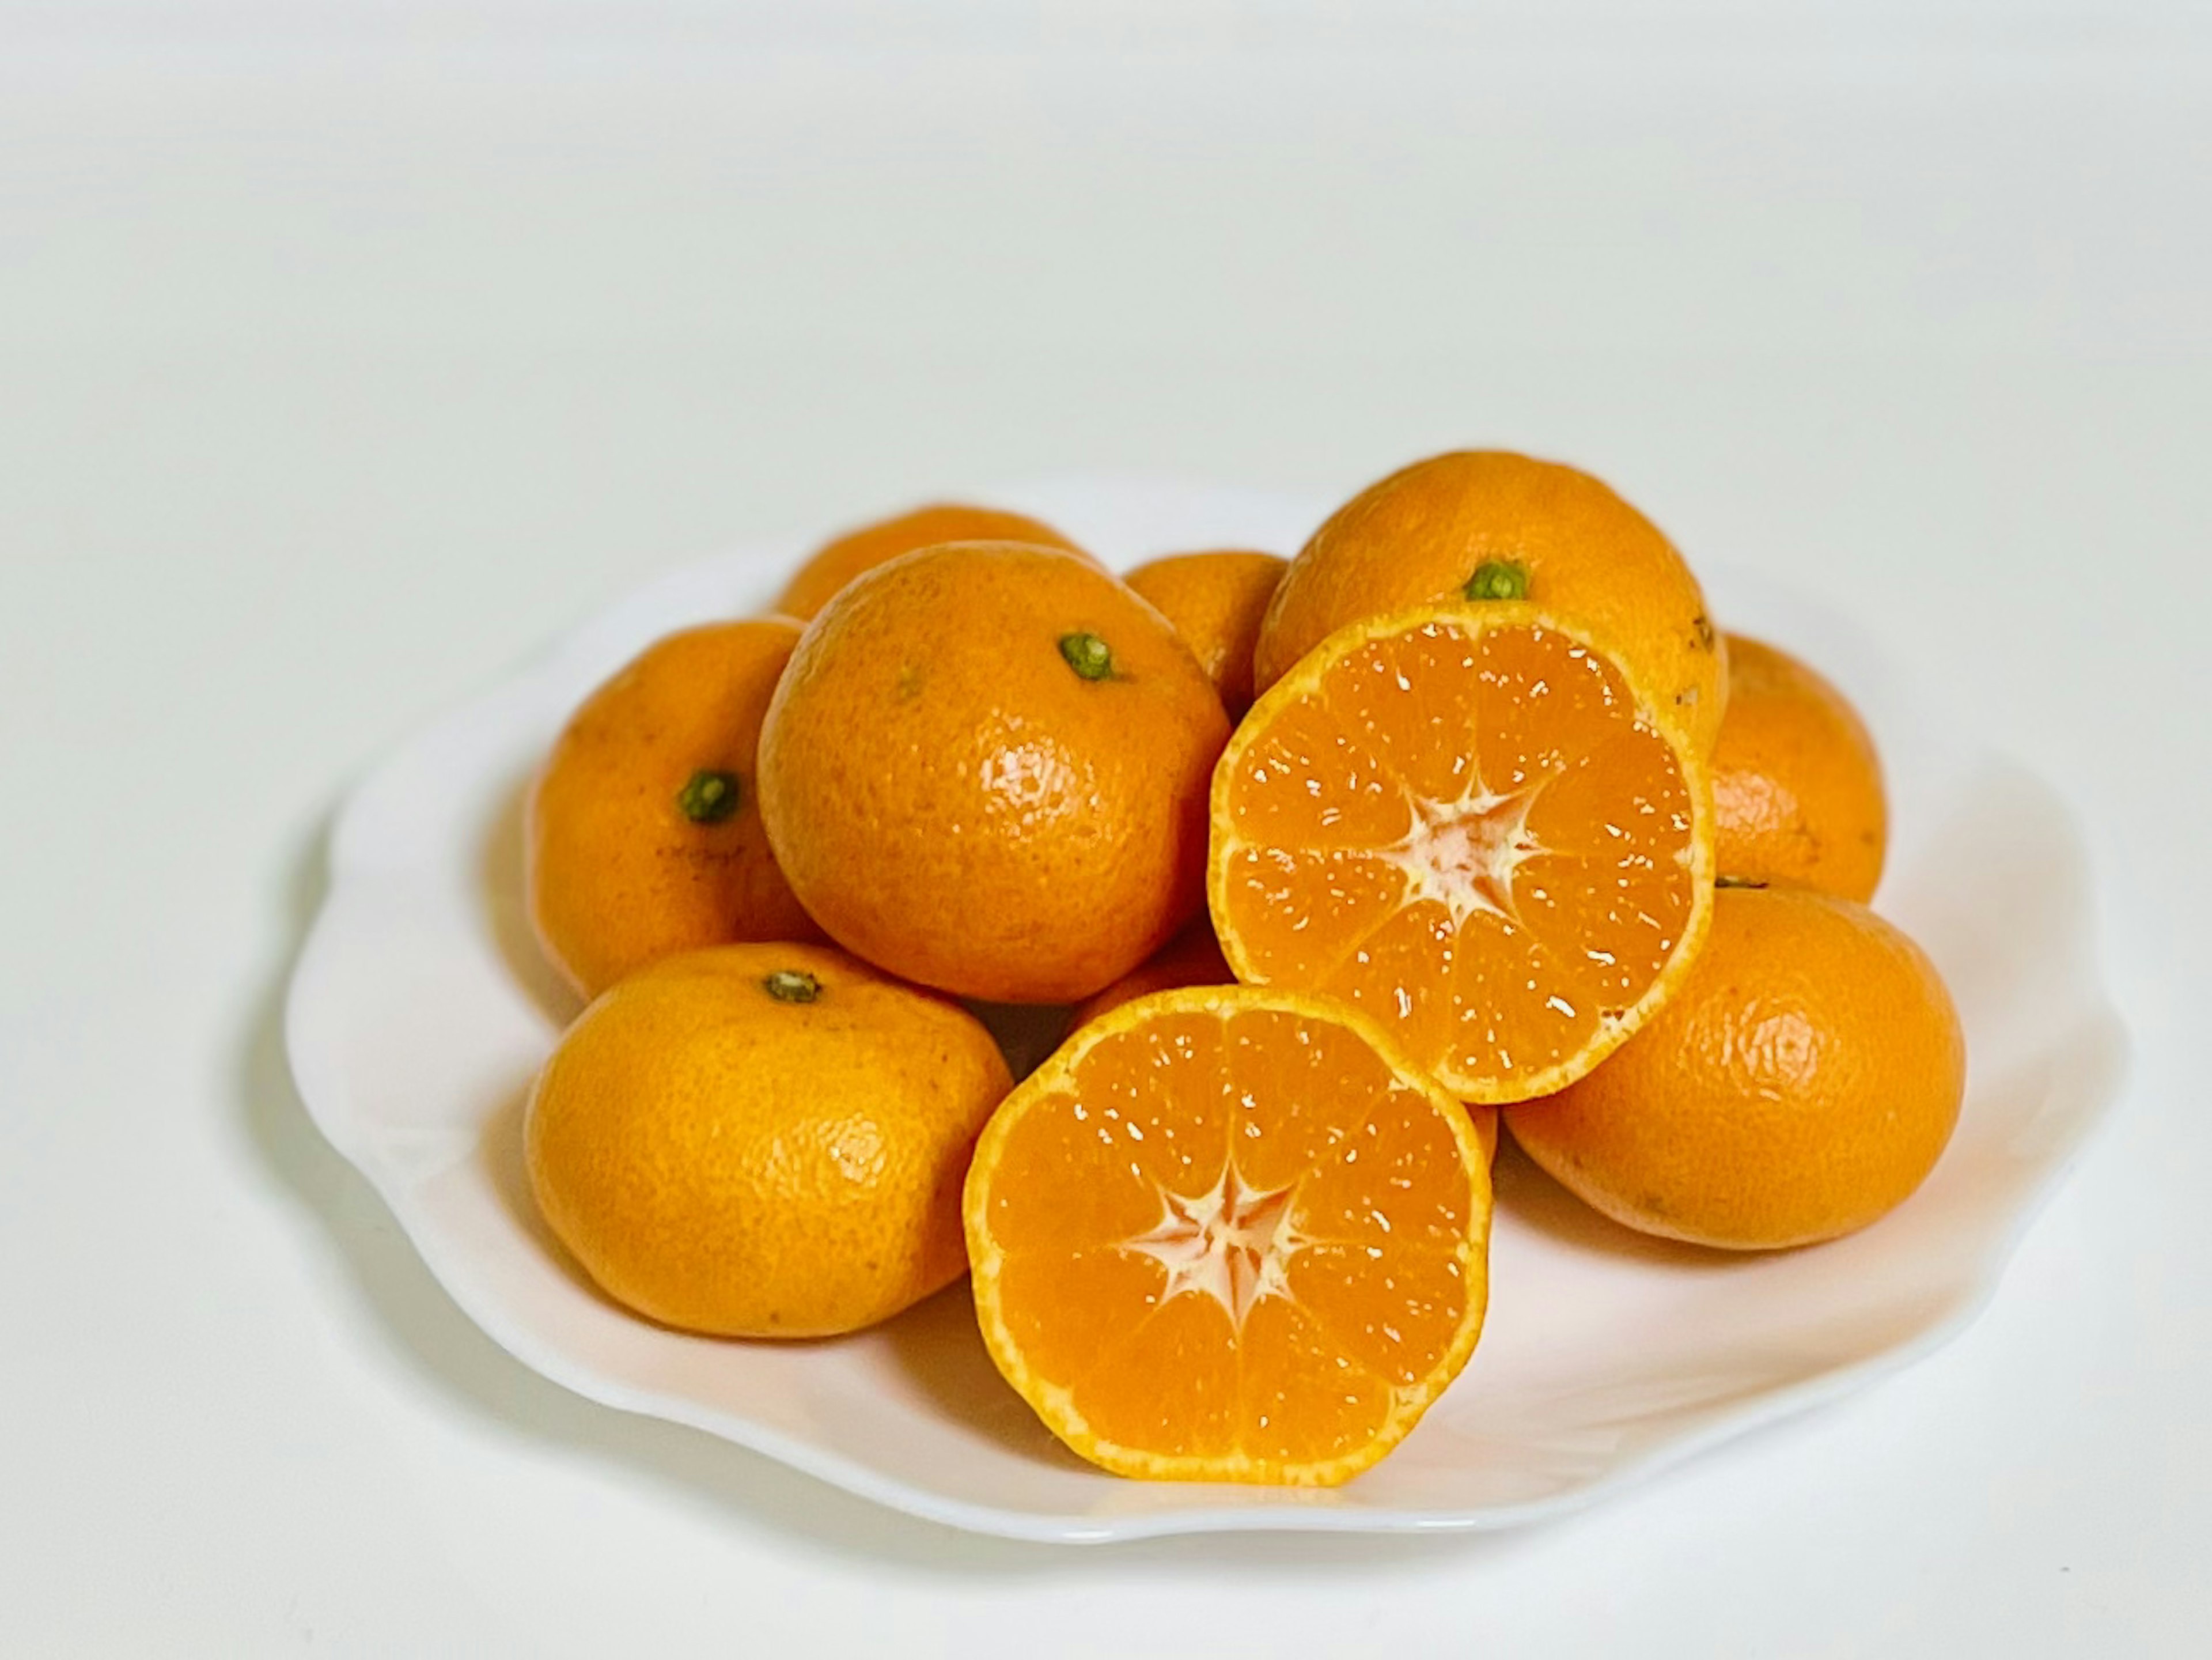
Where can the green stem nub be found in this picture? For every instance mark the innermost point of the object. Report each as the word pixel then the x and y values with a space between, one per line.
pixel 711 797
pixel 790 986
pixel 1498 579
pixel 1088 655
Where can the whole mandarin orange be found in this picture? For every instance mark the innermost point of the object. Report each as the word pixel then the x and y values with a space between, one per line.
pixel 764 1140
pixel 1797 794
pixel 987 769
pixel 1215 601
pixel 644 837
pixel 838 561
pixel 1802 1084
pixel 1492 525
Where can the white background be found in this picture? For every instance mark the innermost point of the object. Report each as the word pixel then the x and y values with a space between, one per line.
pixel 347 352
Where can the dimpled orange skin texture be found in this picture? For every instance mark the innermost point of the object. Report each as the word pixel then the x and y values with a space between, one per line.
pixel 1216 601
pixel 1797 794
pixel 951 800
pixel 830 567
pixel 725 1162
pixel 1229 1234
pixel 1463 820
pixel 618 876
pixel 1800 1085
pixel 1591 558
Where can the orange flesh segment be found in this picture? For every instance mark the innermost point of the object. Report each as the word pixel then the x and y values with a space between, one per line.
pixel 1471 830
pixel 1240 1240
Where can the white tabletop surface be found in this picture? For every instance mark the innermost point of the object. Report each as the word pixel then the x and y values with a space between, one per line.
pixel 347 353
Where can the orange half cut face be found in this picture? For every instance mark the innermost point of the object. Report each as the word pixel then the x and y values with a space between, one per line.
pixel 1465 822
pixel 1229 1234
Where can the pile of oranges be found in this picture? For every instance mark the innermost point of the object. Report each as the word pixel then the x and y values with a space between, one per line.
pixel 1469 812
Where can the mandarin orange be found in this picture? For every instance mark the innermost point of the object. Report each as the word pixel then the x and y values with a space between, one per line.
pixel 1797 794
pixel 1229 1234
pixel 830 567
pixel 762 1140
pixel 1215 601
pixel 1487 525
pixel 986 770
pixel 1802 1083
pixel 1468 821
pixel 644 837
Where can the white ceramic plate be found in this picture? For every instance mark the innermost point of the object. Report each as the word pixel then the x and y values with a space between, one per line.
pixel 419 1013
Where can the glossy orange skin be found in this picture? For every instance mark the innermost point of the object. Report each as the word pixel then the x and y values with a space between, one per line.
pixel 1591 558
pixel 618 876
pixel 724 1162
pixel 1216 601
pixel 1797 794
pixel 1802 1084
pixel 837 563
pixel 953 801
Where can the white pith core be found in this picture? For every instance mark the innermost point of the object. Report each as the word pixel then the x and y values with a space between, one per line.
pixel 1464 855
pixel 1232 1243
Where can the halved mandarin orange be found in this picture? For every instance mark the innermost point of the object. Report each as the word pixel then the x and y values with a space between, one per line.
pixel 1229 1234
pixel 1465 821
